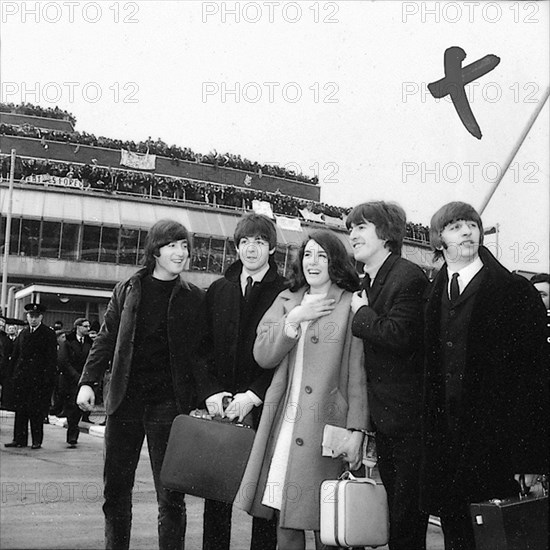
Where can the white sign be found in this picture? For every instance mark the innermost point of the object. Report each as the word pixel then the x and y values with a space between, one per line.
pixel 135 160
pixel 46 179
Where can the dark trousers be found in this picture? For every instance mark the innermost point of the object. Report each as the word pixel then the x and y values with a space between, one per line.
pixel 458 532
pixel 399 465
pixel 217 528
pixel 74 414
pixel 124 434
pixel 23 416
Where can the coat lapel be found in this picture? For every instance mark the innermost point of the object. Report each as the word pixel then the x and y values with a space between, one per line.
pixel 380 279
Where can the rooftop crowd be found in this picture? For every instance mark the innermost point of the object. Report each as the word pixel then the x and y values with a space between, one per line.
pixel 113 180
pixel 36 110
pixel 157 147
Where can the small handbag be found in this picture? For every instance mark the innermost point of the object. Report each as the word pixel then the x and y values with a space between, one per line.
pixel 518 523
pixel 206 457
pixel 354 512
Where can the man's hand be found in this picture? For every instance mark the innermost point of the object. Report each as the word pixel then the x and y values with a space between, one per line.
pixel 86 398
pixel 241 405
pixel 530 479
pixel 352 450
pixel 358 300
pixel 214 403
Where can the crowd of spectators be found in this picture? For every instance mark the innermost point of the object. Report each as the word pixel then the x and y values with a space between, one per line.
pixel 114 180
pixel 36 110
pixel 157 147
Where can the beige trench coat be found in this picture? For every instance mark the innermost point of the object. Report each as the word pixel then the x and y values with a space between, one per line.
pixel 333 391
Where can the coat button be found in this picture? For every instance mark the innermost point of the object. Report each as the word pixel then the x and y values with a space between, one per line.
pixel 449 344
pixel 314 339
pixel 452 313
pixel 308 389
pixel 299 441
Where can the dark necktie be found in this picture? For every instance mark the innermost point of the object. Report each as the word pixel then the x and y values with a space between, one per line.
pixel 366 284
pixel 455 291
pixel 248 289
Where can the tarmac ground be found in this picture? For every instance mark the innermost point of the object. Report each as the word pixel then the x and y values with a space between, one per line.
pixel 51 498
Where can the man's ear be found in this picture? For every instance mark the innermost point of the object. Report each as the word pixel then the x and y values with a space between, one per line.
pixel 272 251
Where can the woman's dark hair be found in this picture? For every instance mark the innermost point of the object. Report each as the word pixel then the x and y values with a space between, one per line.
pixel 340 267
pixel 388 218
pixel 450 213
pixel 161 234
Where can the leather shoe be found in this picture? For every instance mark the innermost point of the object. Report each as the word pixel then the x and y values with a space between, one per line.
pixel 72 444
pixel 36 446
pixel 14 444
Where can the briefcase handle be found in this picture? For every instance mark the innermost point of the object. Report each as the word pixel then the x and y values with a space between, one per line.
pixel 205 415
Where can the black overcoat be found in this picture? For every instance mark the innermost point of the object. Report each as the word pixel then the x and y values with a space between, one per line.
pixel 34 366
pixel 71 358
pixel 391 330
pixel 229 368
pixel 504 414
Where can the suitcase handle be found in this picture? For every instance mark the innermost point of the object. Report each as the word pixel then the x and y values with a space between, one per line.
pixel 347 475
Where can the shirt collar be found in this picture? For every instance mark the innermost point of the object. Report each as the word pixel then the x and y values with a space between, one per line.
pixel 374 269
pixel 466 274
pixel 256 277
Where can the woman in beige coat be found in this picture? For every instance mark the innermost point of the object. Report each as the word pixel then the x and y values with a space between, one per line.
pixel 320 379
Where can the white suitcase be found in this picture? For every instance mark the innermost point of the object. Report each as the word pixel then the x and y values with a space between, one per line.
pixel 354 512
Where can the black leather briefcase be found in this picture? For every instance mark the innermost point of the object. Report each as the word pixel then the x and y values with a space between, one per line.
pixel 206 457
pixel 519 523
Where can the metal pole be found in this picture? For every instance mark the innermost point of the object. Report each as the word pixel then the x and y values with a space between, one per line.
pixel 514 151
pixel 4 305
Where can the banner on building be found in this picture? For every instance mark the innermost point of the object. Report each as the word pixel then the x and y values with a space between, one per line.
pixel 46 179
pixel 136 160
pixel 310 216
pixel 291 224
pixel 335 222
pixel 262 207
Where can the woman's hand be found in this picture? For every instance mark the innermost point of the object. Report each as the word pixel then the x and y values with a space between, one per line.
pixel 352 450
pixel 310 311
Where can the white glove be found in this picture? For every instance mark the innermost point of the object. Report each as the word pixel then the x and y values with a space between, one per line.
pixel 86 398
pixel 241 405
pixel 214 403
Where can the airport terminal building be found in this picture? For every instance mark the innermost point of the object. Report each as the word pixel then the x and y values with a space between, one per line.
pixel 78 218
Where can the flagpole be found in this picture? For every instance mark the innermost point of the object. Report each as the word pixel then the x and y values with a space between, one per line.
pixel 514 151
pixel 4 305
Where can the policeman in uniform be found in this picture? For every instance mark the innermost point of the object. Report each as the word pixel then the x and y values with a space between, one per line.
pixel 34 364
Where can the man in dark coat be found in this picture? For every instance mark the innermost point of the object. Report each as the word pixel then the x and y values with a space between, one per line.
pixel 72 354
pixel 151 335
pixel 235 304
pixel 33 365
pixel 486 378
pixel 6 349
pixel 388 318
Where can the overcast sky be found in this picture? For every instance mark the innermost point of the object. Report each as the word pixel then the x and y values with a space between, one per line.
pixel 334 88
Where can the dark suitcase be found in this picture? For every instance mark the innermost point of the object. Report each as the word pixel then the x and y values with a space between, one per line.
pixel 206 458
pixel 519 523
